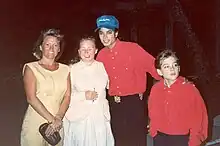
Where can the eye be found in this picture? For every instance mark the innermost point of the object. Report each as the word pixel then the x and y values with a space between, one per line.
pixel 110 32
pixel 56 45
pixel 166 66
pixel 176 65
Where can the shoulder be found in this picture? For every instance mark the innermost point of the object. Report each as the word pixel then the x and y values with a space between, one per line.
pixel 129 44
pixel 30 66
pixel 101 54
pixel 189 86
pixel 64 66
pixel 157 86
pixel 102 51
pixel 99 63
pixel 74 66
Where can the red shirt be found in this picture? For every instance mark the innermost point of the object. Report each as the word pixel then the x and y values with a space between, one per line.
pixel 126 64
pixel 178 110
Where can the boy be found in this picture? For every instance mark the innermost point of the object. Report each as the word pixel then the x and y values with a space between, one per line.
pixel 177 112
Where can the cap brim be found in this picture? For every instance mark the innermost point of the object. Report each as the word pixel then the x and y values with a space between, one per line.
pixel 108 27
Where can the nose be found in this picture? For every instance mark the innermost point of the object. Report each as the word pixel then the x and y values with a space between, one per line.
pixel 104 36
pixel 53 48
pixel 172 67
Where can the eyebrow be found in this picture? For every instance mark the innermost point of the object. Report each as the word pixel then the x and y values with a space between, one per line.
pixel 168 64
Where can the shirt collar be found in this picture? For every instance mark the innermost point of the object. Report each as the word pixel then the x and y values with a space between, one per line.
pixel 178 81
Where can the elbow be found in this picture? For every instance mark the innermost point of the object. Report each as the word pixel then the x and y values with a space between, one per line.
pixel 30 100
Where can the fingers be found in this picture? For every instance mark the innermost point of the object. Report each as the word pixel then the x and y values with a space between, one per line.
pixel 50 130
pixel 141 96
pixel 91 95
pixel 58 124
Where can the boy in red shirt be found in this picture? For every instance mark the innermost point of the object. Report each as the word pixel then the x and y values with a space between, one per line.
pixel 177 112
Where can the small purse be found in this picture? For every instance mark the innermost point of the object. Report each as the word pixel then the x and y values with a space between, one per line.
pixel 52 139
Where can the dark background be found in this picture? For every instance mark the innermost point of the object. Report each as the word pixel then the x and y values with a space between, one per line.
pixel 22 21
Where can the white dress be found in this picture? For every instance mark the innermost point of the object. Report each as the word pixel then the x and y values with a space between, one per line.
pixel 87 123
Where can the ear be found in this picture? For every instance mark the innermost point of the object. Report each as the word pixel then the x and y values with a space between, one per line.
pixel 116 34
pixel 159 72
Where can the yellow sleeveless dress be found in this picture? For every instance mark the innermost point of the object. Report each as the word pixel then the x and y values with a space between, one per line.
pixel 50 89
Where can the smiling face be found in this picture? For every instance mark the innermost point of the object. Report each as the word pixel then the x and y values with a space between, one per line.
pixel 50 47
pixel 87 50
pixel 169 69
pixel 108 37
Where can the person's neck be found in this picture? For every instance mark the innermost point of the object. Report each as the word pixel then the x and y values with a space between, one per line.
pixel 168 83
pixel 46 61
pixel 88 62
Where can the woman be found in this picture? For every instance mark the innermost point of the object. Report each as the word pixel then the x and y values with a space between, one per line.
pixel 87 120
pixel 47 88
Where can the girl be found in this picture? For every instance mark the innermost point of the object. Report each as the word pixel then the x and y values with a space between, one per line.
pixel 87 120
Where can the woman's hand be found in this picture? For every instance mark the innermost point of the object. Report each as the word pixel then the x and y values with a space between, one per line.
pixel 55 125
pixel 91 95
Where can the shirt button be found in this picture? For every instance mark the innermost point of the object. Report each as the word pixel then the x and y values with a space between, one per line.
pixel 117 87
pixel 119 93
pixel 113 67
pixel 115 77
pixel 167 102
pixel 126 68
pixel 113 57
pixel 116 53
pixel 168 91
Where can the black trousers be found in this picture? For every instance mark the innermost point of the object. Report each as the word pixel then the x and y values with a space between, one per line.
pixel 162 139
pixel 128 121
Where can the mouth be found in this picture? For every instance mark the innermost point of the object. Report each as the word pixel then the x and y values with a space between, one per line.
pixel 87 56
pixel 173 74
pixel 105 41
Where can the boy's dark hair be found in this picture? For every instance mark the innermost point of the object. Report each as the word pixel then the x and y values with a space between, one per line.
pixel 164 55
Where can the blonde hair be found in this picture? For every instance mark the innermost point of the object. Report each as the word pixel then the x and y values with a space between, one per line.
pixel 48 32
pixel 84 38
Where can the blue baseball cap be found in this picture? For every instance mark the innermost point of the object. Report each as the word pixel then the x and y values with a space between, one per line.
pixel 107 21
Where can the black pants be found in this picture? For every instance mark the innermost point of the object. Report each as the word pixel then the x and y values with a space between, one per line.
pixel 128 121
pixel 162 139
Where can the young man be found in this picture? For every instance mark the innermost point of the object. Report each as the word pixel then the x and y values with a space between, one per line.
pixel 177 112
pixel 126 64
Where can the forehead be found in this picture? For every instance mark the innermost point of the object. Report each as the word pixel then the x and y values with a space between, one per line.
pixel 169 60
pixel 51 39
pixel 105 30
pixel 87 42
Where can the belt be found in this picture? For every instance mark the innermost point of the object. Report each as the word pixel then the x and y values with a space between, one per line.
pixel 117 98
